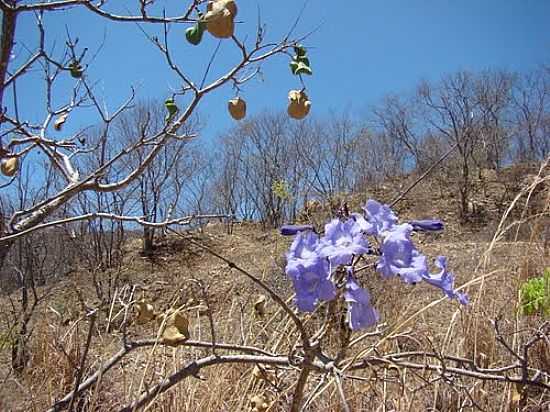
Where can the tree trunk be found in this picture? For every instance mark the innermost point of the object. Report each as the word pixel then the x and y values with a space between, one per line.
pixel 4 250
pixel 148 244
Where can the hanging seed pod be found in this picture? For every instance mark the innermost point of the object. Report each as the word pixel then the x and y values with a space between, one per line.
pixel 220 18
pixel 237 108
pixel 221 27
pixel 60 121
pixel 299 104
pixel 76 69
pixel 231 6
pixel 9 166
pixel 194 34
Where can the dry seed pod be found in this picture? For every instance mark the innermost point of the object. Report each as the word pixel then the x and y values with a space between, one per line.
pixel 299 104
pixel 222 28
pixel 217 6
pixel 231 6
pixel 176 328
pixel 259 403
pixel 60 121
pixel 259 306
pixel 146 313
pixel 9 166
pixel 237 108
pixel 219 18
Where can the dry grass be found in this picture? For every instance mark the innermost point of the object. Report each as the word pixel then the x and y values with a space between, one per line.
pixel 491 265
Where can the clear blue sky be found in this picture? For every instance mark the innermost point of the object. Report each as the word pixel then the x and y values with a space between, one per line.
pixel 361 50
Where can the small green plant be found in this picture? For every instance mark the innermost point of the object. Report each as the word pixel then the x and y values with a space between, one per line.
pixel 281 190
pixel 535 295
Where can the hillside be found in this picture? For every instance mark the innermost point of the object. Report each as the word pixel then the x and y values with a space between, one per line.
pixel 214 295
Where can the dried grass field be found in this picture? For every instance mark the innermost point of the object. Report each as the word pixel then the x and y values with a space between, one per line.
pixel 427 353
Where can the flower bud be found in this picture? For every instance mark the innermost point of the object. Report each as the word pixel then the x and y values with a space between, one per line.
pixel 427 225
pixel 291 230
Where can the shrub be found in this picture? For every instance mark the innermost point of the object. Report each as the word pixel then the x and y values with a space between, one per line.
pixel 535 295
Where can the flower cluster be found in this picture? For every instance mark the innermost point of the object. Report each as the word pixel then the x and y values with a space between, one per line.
pixel 313 261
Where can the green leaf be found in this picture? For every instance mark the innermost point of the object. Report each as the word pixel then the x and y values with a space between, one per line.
pixel 293 66
pixel 281 189
pixel 303 69
pixel 535 295
pixel 302 59
pixel 299 50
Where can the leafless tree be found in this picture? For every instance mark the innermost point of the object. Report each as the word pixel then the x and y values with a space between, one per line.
pixel 398 120
pixel 33 261
pixel 158 189
pixel 258 158
pixel 493 91
pixel 330 151
pixel 453 111
pixel 531 108
pixel 22 138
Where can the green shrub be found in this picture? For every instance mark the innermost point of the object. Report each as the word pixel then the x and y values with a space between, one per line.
pixel 535 295
pixel 281 190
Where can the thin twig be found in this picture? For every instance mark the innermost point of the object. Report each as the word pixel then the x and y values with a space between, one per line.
pixel 92 317
pixel 338 382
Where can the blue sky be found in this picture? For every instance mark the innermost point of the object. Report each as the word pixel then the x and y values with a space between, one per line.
pixel 361 51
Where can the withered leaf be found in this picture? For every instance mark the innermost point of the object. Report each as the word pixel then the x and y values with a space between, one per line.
pixel 176 328
pixel 146 312
pixel 259 306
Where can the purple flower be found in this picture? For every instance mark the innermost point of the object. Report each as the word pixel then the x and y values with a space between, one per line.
pixel 361 314
pixel 365 227
pixel 444 280
pixel 427 225
pixel 341 241
pixel 311 284
pixel 303 248
pixel 380 216
pixel 291 230
pixel 309 272
pixel 400 257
